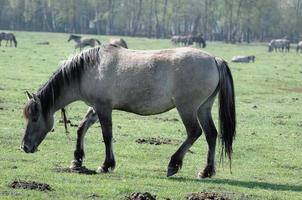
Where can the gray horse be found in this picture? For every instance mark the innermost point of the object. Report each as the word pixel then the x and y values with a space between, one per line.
pixel 299 47
pixel 279 44
pixel 243 59
pixel 9 37
pixel 82 42
pixel 141 82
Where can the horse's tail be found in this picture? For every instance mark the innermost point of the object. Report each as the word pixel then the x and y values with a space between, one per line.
pixel 14 40
pixel 227 112
pixel 297 49
pixel 98 41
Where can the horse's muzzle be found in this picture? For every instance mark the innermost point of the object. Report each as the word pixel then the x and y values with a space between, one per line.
pixel 28 149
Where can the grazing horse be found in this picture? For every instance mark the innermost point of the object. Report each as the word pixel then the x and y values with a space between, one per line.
pixel 243 59
pixel 279 44
pixel 180 39
pixel 299 47
pixel 9 37
pixel 141 82
pixel 198 39
pixel 82 42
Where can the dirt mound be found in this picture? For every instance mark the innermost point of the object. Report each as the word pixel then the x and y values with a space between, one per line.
pixel 141 196
pixel 79 170
pixel 32 185
pixel 167 119
pixel 206 196
pixel 157 141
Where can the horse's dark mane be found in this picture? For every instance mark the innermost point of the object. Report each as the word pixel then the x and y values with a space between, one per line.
pixel 70 72
pixel 75 36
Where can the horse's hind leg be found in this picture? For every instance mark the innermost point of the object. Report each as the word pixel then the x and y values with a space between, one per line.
pixel 207 124
pixel 189 117
pixel 89 119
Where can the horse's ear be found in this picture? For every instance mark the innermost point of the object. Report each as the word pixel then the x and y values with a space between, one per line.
pixel 29 96
pixel 36 99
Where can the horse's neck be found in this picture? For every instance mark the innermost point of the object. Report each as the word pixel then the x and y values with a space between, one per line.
pixel 77 39
pixel 67 96
pixel 53 101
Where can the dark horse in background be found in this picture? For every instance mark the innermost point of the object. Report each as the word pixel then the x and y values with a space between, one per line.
pixel 189 40
pixel 141 82
pixel 9 37
pixel 82 42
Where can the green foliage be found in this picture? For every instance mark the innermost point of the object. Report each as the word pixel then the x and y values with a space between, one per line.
pixel 229 20
pixel 266 161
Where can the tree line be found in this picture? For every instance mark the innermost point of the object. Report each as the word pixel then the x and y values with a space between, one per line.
pixel 227 20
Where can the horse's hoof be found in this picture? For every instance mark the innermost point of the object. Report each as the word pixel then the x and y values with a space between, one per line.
pixel 74 165
pixel 208 172
pixel 103 169
pixel 172 170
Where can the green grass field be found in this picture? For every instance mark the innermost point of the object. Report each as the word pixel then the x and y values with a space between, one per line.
pixel 267 159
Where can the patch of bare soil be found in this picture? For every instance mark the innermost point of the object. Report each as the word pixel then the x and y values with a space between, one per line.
pixel 297 90
pixel 91 196
pixel 206 196
pixel 141 196
pixel 167 119
pixel 31 185
pixel 79 170
pixel 157 141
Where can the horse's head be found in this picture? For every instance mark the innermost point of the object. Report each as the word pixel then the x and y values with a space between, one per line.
pixel 37 124
pixel 70 38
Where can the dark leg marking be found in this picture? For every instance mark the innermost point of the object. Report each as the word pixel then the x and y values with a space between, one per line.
pixel 207 124
pixel 104 113
pixel 89 119
pixel 193 132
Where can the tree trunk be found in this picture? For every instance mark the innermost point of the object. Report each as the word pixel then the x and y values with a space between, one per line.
pixel 157 24
pixel 196 24
pixel 137 18
pixel 164 32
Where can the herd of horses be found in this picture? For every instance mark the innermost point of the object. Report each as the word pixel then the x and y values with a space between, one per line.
pixel 145 82
pixel 187 40
pixel 281 45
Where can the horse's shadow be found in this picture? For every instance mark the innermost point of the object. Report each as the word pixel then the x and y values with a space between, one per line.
pixel 247 184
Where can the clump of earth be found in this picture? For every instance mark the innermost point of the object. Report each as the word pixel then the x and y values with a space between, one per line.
pixel 157 141
pixel 206 196
pixel 79 170
pixel 31 185
pixel 141 196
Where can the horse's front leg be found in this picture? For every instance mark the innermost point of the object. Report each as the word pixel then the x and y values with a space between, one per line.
pixel 89 119
pixel 104 113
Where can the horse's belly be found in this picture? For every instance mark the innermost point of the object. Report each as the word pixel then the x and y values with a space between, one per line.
pixel 146 106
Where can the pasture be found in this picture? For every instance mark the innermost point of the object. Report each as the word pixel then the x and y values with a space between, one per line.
pixel 267 159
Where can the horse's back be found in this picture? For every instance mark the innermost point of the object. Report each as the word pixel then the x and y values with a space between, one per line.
pixel 150 82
